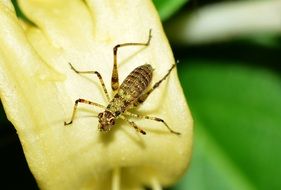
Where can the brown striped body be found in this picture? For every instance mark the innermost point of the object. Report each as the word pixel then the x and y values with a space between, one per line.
pixel 131 89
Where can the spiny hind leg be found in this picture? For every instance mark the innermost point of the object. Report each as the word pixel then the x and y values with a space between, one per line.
pixel 115 78
pixel 75 108
pixel 133 124
pixel 98 75
pixel 151 118
pixel 143 97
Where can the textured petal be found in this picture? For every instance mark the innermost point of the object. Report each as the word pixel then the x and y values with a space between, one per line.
pixel 38 90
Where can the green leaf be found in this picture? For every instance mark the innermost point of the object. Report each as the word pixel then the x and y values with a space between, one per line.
pixel 237 113
pixel 167 8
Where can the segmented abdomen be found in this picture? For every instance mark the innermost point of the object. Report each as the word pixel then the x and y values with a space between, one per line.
pixel 131 88
pixel 136 82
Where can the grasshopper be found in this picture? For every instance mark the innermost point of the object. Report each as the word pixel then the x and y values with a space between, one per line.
pixel 130 94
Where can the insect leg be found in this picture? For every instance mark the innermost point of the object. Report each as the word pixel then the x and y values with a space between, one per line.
pixel 151 118
pixel 143 97
pixel 75 108
pixel 133 124
pixel 115 78
pixel 98 75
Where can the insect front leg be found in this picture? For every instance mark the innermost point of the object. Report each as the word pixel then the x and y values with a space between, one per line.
pixel 98 75
pixel 143 97
pixel 115 78
pixel 133 124
pixel 75 108
pixel 151 118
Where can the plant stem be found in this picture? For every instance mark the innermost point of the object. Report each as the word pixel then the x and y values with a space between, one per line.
pixel 155 185
pixel 116 179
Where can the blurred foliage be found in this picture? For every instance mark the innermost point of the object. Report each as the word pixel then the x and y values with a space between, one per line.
pixel 233 89
pixel 167 8
pixel 234 92
pixel 236 108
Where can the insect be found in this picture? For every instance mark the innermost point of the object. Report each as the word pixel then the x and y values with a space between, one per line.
pixel 130 94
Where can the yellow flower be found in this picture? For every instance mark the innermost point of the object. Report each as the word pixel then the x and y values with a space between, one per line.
pixel 38 90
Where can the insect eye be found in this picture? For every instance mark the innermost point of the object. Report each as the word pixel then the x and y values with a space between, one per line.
pixel 100 115
pixel 112 121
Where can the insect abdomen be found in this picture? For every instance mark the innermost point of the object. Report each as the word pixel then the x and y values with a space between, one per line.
pixel 136 82
pixel 132 87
